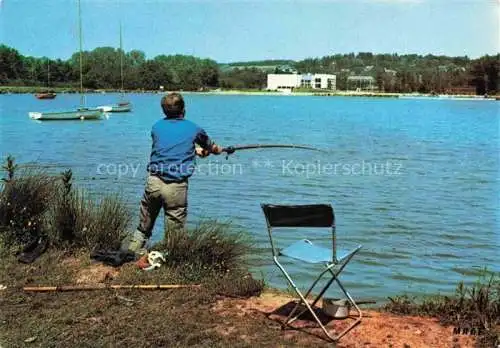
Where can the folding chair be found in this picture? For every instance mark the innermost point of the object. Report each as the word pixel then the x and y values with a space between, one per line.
pixel 317 215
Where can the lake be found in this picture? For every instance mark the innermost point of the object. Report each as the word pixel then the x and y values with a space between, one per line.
pixel 415 181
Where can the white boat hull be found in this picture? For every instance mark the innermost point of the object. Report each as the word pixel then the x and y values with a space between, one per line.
pixel 116 108
pixel 80 114
pixel 105 108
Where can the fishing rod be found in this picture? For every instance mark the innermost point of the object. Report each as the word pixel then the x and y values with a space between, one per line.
pixel 231 149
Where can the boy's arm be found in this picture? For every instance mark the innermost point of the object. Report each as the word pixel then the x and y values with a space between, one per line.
pixel 206 144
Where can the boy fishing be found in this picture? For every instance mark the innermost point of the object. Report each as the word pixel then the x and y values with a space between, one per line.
pixel 171 164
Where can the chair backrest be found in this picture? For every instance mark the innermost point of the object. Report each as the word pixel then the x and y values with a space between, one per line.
pixel 312 215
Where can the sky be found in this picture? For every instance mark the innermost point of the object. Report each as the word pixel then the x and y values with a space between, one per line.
pixel 245 30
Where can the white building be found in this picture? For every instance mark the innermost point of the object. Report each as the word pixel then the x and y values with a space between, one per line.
pixel 287 82
pixel 319 81
pixel 283 82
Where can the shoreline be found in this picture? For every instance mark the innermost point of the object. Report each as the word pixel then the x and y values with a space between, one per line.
pixel 65 90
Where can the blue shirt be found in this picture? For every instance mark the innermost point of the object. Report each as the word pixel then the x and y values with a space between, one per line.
pixel 173 150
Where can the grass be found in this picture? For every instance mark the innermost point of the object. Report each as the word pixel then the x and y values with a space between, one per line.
pixel 34 204
pixel 213 253
pixel 78 221
pixel 211 244
pixel 475 307
pixel 24 201
pixel 173 318
pixel 177 318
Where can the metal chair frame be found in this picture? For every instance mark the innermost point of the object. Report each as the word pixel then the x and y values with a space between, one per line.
pixel 333 267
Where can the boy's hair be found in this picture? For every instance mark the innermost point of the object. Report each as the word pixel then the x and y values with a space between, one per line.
pixel 173 105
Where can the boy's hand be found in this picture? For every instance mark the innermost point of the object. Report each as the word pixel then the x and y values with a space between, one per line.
pixel 216 149
pixel 201 152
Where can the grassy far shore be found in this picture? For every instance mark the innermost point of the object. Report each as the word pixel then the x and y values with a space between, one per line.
pixel 230 308
pixel 299 92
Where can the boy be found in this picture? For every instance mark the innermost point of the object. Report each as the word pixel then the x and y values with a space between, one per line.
pixel 171 164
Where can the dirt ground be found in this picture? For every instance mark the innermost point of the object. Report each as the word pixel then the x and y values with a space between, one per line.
pixel 377 329
pixel 182 318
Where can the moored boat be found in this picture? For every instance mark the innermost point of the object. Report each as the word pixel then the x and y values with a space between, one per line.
pixel 123 105
pixel 79 114
pixel 47 95
pixel 120 107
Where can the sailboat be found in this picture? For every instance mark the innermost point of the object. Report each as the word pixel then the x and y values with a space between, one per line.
pixel 48 94
pixel 82 112
pixel 122 105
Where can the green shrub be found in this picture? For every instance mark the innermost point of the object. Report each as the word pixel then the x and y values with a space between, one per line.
pixel 33 203
pixel 110 220
pixel 63 214
pixel 10 168
pixel 209 247
pixel 24 199
pixel 213 253
pixel 78 221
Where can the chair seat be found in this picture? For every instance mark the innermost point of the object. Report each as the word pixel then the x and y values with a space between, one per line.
pixel 306 251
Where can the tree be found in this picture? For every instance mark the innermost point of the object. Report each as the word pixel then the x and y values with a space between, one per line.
pixel 484 74
pixel 11 64
pixel 243 78
pixel 154 74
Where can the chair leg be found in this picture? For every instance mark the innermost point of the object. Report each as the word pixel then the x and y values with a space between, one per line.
pixel 311 310
pixel 289 318
pixel 303 300
pixel 308 306
pixel 316 299
pixel 335 276
pixel 351 300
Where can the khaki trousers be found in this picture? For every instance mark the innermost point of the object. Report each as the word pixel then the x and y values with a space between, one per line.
pixel 172 197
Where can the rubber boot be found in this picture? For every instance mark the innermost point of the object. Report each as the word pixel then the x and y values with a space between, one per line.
pixel 135 242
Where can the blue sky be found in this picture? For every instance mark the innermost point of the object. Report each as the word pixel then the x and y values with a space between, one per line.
pixel 241 30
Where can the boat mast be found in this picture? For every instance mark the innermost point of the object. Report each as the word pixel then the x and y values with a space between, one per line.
pixel 48 73
pixel 82 97
pixel 121 57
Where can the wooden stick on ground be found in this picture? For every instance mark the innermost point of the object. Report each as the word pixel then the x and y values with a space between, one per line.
pixel 106 286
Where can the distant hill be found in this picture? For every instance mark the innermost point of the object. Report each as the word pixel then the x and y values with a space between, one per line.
pixel 268 66
pixel 268 62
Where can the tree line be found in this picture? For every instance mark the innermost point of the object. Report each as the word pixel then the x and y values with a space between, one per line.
pixel 390 72
pixel 411 72
pixel 101 70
